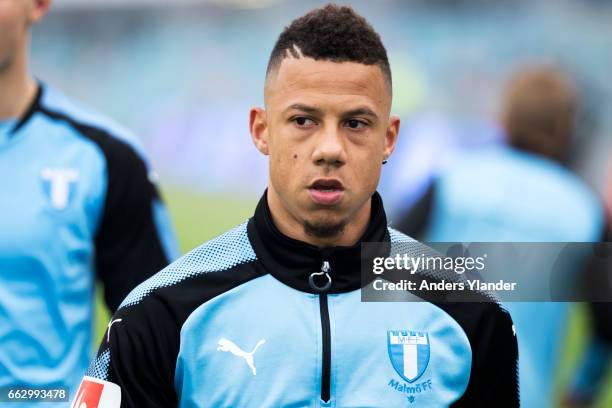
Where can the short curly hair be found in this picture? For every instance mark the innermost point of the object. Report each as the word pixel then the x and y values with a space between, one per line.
pixel 331 33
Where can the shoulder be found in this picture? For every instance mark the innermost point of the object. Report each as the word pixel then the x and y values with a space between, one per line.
pixel 205 272
pixel 60 105
pixel 396 236
pixel 116 142
pixel 475 308
pixel 150 318
pixel 570 195
pixel 478 319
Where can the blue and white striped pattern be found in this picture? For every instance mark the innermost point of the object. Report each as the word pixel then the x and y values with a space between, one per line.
pixel 99 366
pixel 396 236
pixel 221 253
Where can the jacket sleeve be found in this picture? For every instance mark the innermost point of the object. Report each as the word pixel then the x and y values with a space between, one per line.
pixel 135 364
pixel 134 237
pixel 494 374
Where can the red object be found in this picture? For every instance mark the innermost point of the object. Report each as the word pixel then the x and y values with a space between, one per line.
pixel 89 395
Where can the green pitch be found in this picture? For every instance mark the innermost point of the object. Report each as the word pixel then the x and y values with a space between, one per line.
pixel 198 218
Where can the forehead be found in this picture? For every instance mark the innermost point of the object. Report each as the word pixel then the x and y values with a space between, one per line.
pixel 309 80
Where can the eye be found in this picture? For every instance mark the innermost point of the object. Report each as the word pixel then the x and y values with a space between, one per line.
pixel 303 121
pixel 356 124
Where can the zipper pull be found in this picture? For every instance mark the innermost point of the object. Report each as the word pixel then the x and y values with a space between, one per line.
pixel 325 268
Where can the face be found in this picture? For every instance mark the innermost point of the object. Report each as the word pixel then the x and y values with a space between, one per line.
pixel 16 16
pixel 326 129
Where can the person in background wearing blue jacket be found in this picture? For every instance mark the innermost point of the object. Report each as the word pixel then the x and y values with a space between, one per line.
pixel 519 192
pixel 78 204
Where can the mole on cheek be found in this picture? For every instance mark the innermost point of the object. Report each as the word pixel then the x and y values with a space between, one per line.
pixel 295 156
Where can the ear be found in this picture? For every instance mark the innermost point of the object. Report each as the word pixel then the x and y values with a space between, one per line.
pixel 38 9
pixel 258 125
pixel 391 136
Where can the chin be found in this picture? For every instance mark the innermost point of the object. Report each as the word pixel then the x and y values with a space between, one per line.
pixel 326 226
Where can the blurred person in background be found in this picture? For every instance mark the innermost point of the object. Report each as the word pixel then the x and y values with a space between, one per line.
pixel 519 192
pixel 78 203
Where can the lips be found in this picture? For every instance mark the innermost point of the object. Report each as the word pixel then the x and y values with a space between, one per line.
pixel 326 191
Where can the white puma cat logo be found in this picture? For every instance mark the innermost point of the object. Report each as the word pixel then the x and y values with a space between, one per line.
pixel 109 327
pixel 228 345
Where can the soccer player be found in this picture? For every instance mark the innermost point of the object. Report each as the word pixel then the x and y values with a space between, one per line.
pixel 520 192
pixel 77 203
pixel 269 313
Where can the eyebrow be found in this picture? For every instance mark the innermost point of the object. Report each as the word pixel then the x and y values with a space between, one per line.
pixel 303 108
pixel 353 112
pixel 361 112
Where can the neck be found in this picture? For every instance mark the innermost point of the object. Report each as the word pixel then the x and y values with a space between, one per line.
pixel 286 223
pixel 17 88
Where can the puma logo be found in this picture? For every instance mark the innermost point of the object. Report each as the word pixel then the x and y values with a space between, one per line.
pixel 228 345
pixel 109 327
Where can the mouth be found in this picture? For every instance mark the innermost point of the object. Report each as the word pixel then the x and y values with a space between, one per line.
pixel 326 191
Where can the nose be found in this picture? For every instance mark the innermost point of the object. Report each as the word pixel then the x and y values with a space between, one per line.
pixel 330 148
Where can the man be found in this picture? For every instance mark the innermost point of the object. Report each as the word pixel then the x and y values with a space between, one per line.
pixel 269 314
pixel 519 192
pixel 77 203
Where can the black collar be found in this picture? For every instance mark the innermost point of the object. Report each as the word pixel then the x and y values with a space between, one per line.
pixel 292 261
pixel 30 111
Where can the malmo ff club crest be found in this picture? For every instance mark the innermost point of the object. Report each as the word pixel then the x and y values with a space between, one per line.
pixel 408 352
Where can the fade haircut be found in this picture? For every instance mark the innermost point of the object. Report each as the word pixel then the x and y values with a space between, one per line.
pixel 331 33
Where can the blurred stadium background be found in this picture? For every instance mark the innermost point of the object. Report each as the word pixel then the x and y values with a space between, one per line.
pixel 183 74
